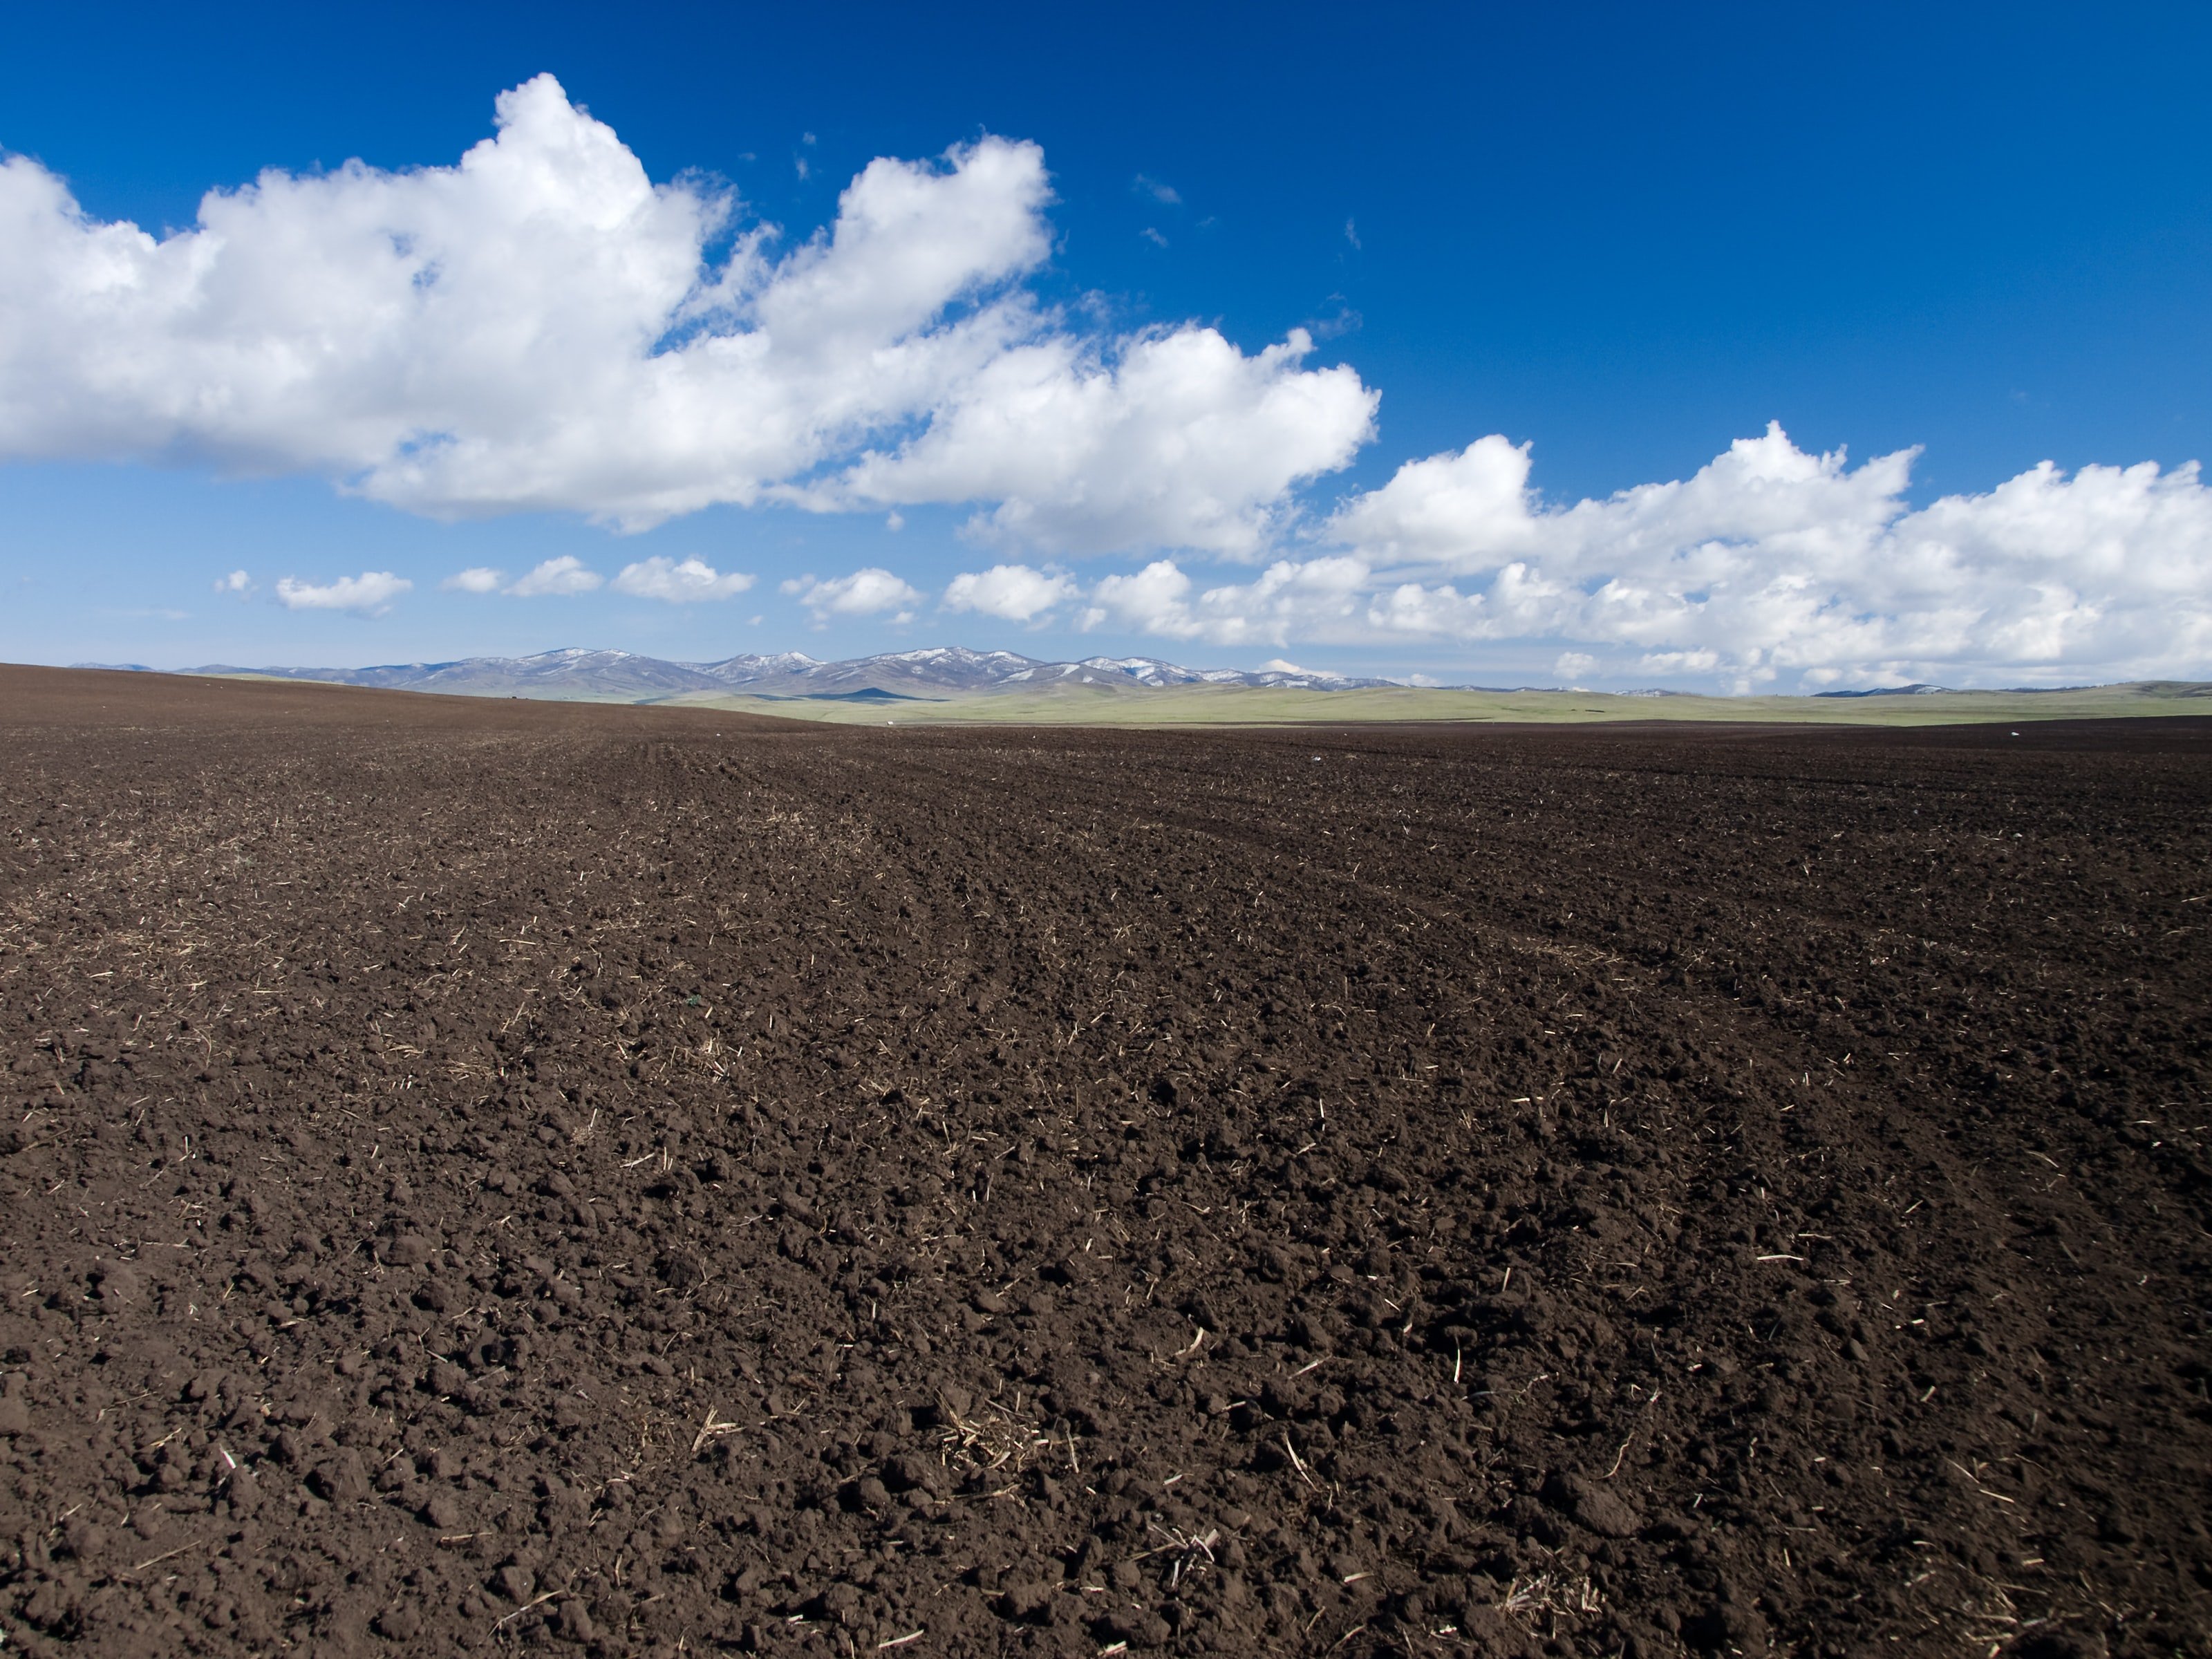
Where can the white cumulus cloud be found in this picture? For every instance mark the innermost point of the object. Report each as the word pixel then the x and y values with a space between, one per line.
pixel 1770 565
pixel 542 326
pixel 564 576
pixel 476 579
pixel 370 593
pixel 1015 592
pixel 679 583
pixel 1771 562
pixel 236 582
pixel 866 593
pixel 1175 439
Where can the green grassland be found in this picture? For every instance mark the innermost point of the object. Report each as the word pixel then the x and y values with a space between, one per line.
pixel 1230 705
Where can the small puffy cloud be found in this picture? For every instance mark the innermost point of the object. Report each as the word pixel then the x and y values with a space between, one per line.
pixel 1574 664
pixel 684 583
pixel 865 593
pixel 237 583
pixel 369 594
pixel 1396 610
pixel 1167 195
pixel 1152 234
pixel 564 575
pixel 1014 592
pixel 542 327
pixel 1310 599
pixel 1446 508
pixel 478 578
pixel 1153 600
pixel 1344 320
pixel 1694 662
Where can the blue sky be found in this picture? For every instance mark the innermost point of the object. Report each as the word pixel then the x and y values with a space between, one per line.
pixel 1557 269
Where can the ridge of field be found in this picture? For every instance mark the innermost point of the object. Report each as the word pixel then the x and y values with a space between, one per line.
pixel 1236 705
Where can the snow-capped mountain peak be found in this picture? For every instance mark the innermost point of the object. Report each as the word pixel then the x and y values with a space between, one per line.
pixel 581 672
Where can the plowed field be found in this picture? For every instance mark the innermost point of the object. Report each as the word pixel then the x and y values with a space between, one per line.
pixel 486 1175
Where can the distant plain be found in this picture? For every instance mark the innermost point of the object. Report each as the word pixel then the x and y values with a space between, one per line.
pixel 950 686
pixel 1237 705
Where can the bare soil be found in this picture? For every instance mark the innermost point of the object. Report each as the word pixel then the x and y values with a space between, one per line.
pixel 483 1175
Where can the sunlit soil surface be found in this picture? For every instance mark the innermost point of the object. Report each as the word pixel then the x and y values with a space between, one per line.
pixel 482 1174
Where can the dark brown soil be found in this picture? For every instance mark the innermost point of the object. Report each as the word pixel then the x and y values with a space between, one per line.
pixel 612 1180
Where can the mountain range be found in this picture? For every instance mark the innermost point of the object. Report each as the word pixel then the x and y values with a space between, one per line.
pixel 939 671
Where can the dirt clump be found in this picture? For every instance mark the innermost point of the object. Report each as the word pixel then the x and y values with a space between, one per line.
pixel 618 1181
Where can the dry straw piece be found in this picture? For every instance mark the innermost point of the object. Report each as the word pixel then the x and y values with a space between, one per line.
pixel 987 1438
